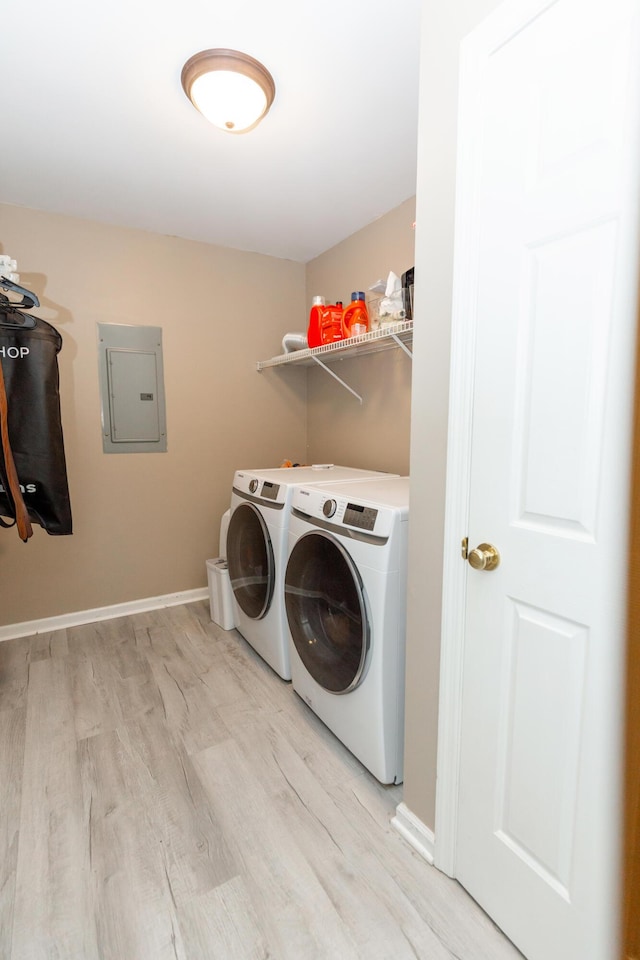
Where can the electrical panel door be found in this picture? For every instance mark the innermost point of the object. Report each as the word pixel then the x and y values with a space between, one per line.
pixel 131 376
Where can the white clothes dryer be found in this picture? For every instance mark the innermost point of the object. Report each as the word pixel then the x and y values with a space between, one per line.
pixel 345 599
pixel 257 547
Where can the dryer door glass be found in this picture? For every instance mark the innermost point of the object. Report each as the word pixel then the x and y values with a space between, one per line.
pixel 326 610
pixel 250 559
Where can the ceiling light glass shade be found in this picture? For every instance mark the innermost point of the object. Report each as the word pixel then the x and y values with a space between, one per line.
pixel 231 89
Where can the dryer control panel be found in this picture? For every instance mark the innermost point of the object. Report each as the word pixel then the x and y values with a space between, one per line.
pixel 270 495
pixel 360 516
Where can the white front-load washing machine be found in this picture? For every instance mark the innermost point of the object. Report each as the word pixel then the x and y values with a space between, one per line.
pixel 256 551
pixel 345 598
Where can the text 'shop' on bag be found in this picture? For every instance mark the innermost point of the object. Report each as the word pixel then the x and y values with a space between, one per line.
pixel 33 474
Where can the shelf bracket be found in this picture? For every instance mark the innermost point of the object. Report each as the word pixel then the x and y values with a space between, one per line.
pixel 397 339
pixel 336 377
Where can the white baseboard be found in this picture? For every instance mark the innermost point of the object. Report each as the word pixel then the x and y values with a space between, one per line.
pixel 414 831
pixel 13 630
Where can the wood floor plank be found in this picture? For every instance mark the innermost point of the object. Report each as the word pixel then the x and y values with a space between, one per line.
pixel 201 611
pixel 222 923
pixel 95 707
pixel 126 660
pixel 226 688
pixel 53 916
pixel 198 640
pixel 15 657
pixel 187 703
pixel 52 644
pixel 12 736
pixel 112 679
pixel 132 686
pixel 295 913
pixel 197 853
pixel 323 753
pixel 131 895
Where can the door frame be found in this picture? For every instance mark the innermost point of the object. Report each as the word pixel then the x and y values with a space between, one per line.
pixel 631 841
pixel 458 482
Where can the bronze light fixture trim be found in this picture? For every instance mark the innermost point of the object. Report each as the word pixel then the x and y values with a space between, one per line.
pixel 230 88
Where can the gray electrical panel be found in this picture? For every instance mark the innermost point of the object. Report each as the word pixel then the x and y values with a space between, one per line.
pixel 132 389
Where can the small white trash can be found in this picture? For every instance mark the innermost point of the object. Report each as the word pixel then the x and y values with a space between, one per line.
pixel 220 593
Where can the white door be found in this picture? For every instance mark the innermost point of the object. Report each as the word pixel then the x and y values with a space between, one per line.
pixel 546 288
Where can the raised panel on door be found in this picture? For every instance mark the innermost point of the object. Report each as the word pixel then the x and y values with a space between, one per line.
pixel 567 295
pixel 543 663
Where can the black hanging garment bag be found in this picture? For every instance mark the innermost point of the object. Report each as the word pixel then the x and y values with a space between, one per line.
pixel 31 425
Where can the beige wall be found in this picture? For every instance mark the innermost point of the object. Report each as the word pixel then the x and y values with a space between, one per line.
pixel 374 435
pixel 144 524
pixel 443 26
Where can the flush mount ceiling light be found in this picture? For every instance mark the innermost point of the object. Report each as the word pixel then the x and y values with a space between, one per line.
pixel 231 89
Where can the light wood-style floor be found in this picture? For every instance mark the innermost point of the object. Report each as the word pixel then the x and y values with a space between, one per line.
pixel 163 794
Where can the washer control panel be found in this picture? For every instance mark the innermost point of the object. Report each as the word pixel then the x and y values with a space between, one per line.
pixel 270 490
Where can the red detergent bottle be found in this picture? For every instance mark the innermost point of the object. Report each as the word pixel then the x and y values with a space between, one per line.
pixel 331 323
pixel 355 318
pixel 314 330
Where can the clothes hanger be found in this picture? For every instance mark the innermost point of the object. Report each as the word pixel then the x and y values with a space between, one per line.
pixel 9 307
pixel 10 317
pixel 29 299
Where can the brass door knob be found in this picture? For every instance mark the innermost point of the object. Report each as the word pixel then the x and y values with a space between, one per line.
pixel 484 557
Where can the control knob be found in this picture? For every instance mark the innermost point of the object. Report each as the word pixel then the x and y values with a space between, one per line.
pixel 329 507
pixel 253 485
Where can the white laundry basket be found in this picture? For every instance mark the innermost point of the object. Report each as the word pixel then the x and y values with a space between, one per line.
pixel 220 593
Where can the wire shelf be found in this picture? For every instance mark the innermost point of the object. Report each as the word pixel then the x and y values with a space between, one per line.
pixel 384 338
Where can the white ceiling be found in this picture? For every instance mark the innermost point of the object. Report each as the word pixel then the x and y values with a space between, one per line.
pixel 96 124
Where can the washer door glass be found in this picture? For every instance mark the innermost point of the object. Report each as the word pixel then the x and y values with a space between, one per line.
pixel 250 560
pixel 326 610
